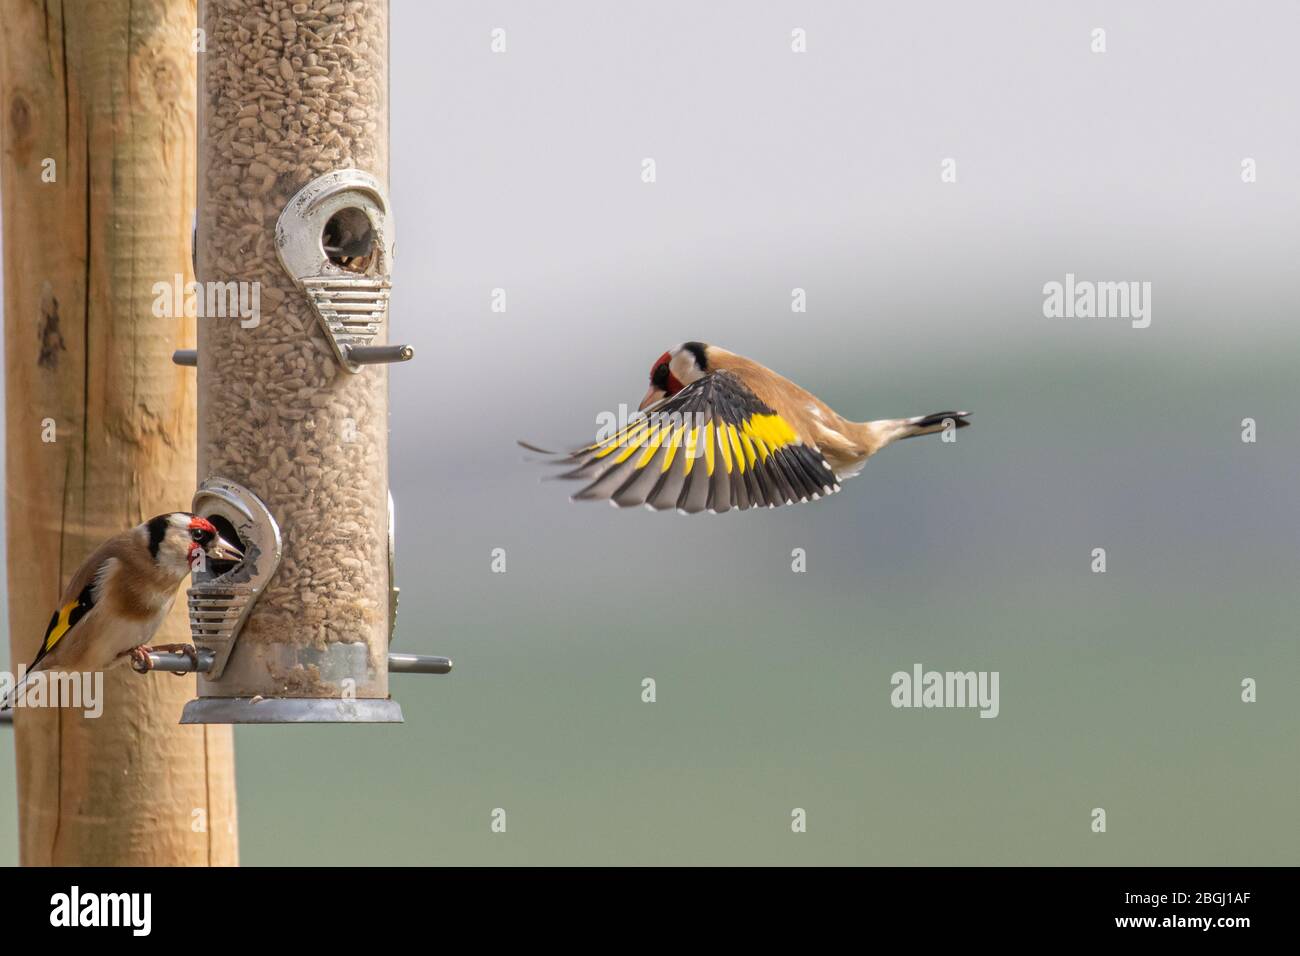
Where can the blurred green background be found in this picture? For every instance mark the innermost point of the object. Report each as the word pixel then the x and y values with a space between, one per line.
pixel 821 171
pixel 1117 690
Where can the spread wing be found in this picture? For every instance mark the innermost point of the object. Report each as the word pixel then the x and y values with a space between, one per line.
pixel 713 446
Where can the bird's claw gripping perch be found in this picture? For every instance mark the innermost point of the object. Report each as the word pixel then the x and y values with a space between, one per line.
pixel 141 663
pixel 142 657
pixel 188 651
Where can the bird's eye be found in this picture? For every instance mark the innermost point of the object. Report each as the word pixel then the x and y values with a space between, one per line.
pixel 659 377
pixel 199 535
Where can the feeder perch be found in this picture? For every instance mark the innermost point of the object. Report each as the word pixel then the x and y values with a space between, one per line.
pixel 335 240
pixel 178 662
pixel 359 355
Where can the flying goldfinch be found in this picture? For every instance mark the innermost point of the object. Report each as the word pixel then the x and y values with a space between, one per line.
pixel 721 431
pixel 121 593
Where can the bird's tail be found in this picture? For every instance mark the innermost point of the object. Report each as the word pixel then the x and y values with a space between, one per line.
pixel 890 430
pixel 14 693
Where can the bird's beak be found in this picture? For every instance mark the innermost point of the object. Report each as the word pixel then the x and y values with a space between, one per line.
pixel 223 550
pixel 652 396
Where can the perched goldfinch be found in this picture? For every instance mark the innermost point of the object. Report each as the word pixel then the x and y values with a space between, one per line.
pixel 121 593
pixel 722 432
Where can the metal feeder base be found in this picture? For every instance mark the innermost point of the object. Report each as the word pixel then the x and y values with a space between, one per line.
pixel 291 710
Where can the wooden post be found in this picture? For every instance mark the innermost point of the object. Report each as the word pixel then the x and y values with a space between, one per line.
pixel 98 133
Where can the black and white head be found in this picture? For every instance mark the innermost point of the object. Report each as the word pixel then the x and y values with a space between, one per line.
pixel 176 540
pixel 675 369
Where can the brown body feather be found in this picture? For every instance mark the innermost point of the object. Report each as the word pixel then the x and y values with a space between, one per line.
pixel 843 442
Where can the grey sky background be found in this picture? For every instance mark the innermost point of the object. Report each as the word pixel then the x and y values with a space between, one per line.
pixel 821 171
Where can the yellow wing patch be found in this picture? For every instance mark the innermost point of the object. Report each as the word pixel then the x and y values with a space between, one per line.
pixel 735 447
pixel 724 447
pixel 756 438
pixel 63 620
pixel 653 446
pixel 618 440
pixel 691 437
pixel 750 454
pixel 672 448
pixel 772 430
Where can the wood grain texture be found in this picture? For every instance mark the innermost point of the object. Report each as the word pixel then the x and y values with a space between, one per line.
pixel 107 91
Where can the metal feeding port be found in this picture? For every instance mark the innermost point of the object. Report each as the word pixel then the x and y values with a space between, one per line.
pixel 335 239
pixel 220 600
pixel 222 594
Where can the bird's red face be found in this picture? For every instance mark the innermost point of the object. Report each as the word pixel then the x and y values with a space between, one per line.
pixel 662 382
pixel 206 542
pixel 201 532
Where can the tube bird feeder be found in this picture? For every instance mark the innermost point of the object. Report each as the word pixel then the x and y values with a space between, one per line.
pixel 295 226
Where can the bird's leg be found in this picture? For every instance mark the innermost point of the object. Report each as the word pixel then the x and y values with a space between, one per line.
pixel 187 649
pixel 140 661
